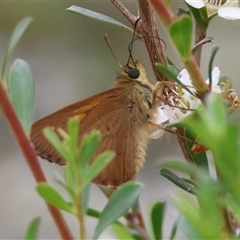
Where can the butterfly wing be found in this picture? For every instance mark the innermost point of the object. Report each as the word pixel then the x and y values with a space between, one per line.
pixel 110 113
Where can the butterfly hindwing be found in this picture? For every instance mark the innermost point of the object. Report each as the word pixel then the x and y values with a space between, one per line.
pixel 116 124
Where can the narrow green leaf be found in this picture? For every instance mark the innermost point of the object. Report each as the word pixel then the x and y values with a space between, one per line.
pixel 15 38
pixel 32 229
pixel 97 166
pixel 93 213
pixel 89 145
pixel 122 232
pixel 177 181
pixel 21 89
pixel 120 201
pixel 180 166
pixel 174 69
pixel 58 178
pixel 202 42
pixel 96 214
pixel 51 196
pixel 55 141
pixel 98 16
pixel 171 76
pixel 73 131
pixel 170 62
pixel 157 217
pixel 174 228
pixel 85 197
pixel 213 54
pixel 181 35
pixel 202 22
pixel 71 174
pixel 191 182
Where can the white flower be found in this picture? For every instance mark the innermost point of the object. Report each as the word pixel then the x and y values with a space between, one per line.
pixel 160 118
pixel 182 103
pixel 226 9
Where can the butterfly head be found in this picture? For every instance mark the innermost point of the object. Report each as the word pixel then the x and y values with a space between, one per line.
pixel 134 70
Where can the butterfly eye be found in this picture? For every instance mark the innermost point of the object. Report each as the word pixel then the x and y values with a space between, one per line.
pixel 133 73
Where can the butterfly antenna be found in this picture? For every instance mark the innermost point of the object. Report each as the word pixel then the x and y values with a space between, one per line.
pixel 108 43
pixel 130 46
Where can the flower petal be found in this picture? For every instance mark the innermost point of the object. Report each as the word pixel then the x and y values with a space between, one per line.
pixel 157 134
pixel 195 4
pixel 215 80
pixel 215 75
pixel 184 77
pixel 230 13
pixel 160 116
pixel 231 3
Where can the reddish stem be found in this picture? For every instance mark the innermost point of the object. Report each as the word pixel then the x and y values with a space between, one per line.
pixel 162 9
pixel 31 158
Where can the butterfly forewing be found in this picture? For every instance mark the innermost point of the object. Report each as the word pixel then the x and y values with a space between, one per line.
pixel 94 115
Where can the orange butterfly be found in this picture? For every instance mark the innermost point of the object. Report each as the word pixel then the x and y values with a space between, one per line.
pixel 123 115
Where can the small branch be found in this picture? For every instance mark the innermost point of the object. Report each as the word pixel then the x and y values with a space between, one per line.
pixel 162 7
pixel 183 144
pixel 31 158
pixel 132 224
pixel 149 30
pixel 198 81
pixel 130 17
pixel 229 225
pixel 167 17
pixel 199 35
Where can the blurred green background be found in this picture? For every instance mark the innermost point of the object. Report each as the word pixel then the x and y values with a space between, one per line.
pixel 71 61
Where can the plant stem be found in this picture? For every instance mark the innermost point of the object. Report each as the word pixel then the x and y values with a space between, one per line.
pixel 199 35
pixel 80 217
pixel 31 158
pixel 228 226
pixel 78 201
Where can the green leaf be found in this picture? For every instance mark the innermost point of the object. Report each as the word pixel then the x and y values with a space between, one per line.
pixel 55 141
pixel 32 229
pixel 98 16
pixel 51 196
pixel 191 182
pixel 177 181
pixel 120 201
pixel 157 216
pixel 122 232
pixel 97 166
pixel 85 197
pixel 213 54
pixel 58 178
pixel 89 145
pixel 93 213
pixel 15 38
pixel 181 35
pixel 170 75
pixel 174 228
pixel 174 69
pixel 21 89
pixel 180 166
pixel 170 62
pixel 202 22
pixel 73 131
